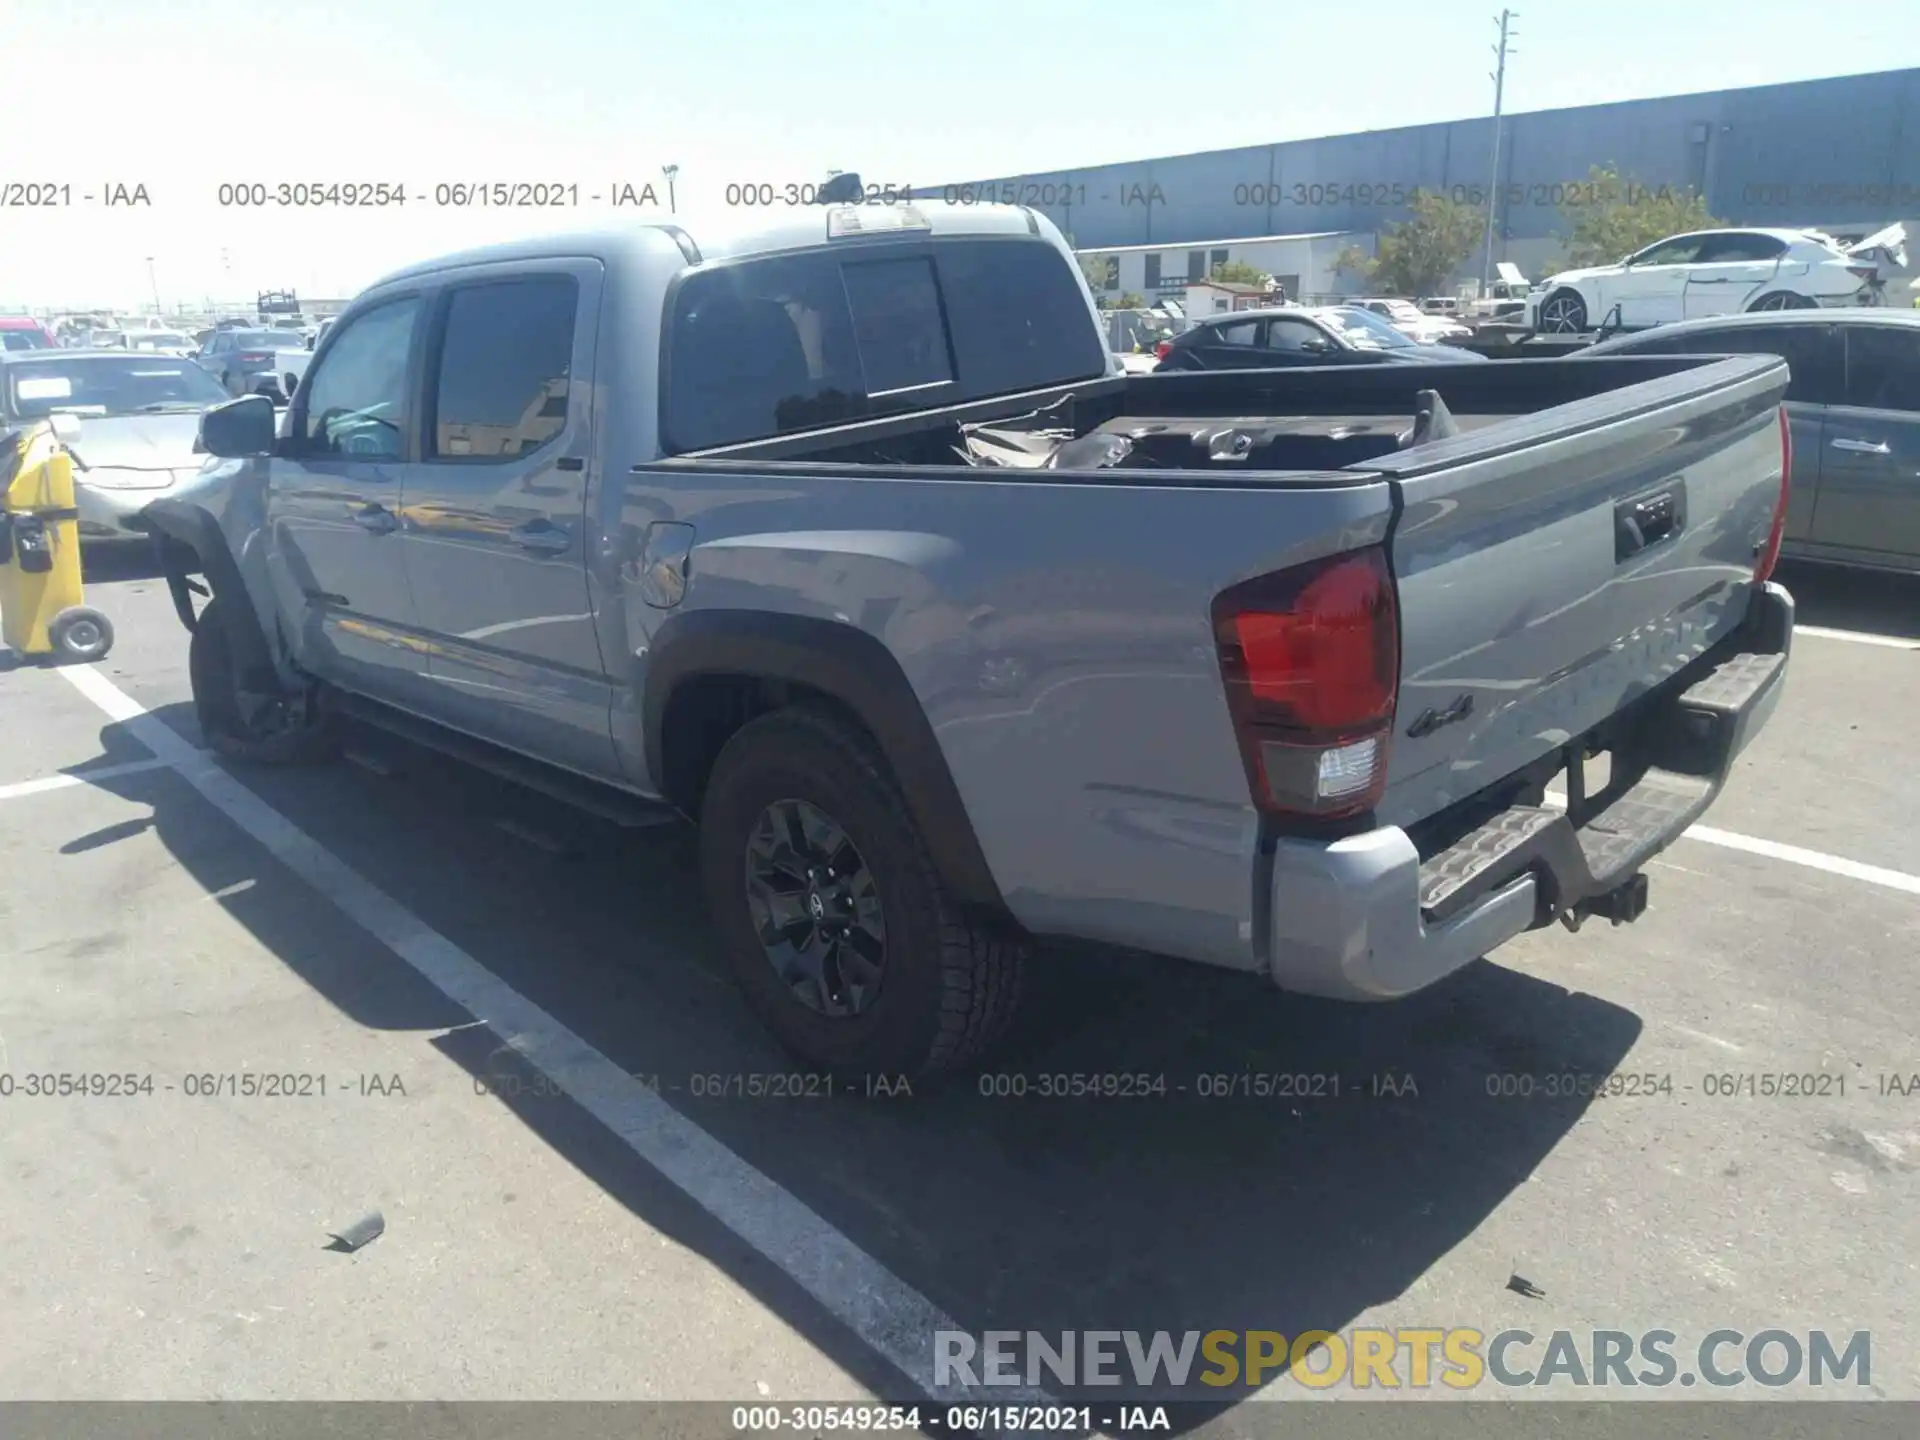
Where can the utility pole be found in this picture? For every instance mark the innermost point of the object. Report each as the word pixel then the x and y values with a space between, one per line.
pixel 671 171
pixel 154 284
pixel 1499 78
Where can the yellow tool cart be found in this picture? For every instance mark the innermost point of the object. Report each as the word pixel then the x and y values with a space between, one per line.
pixel 41 616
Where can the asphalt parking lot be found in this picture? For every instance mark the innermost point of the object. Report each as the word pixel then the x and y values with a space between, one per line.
pixel 518 1020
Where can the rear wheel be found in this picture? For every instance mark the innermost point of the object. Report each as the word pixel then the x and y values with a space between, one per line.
pixel 833 919
pixel 239 722
pixel 1782 300
pixel 1563 313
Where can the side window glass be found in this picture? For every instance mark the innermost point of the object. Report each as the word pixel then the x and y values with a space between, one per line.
pixel 356 398
pixel 505 363
pixel 759 349
pixel 1809 351
pixel 1247 332
pixel 1883 367
pixel 1672 252
pixel 1735 248
pixel 1291 335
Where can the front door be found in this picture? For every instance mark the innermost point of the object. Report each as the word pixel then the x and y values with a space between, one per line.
pixel 334 508
pixel 496 526
pixel 1291 341
pixel 1870 463
pixel 1651 290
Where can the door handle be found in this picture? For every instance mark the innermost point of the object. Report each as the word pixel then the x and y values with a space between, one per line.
pixel 542 537
pixel 376 520
pixel 1862 447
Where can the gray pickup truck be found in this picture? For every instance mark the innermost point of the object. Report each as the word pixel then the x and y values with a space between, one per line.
pixel 842 534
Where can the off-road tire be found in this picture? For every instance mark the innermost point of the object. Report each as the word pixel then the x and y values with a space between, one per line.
pixel 216 703
pixel 950 986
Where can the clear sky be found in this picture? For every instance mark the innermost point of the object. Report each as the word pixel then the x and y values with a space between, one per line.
pixel 183 95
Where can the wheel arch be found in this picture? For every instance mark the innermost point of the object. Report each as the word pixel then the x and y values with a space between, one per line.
pixel 710 671
pixel 189 541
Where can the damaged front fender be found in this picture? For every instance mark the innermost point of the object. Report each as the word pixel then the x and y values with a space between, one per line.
pixel 216 528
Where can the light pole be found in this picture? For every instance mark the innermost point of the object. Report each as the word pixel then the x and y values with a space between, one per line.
pixel 670 171
pixel 1499 78
pixel 154 284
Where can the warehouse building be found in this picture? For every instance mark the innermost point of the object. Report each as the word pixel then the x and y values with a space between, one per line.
pixel 1842 155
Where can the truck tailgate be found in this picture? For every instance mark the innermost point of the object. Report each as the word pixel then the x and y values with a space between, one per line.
pixel 1555 567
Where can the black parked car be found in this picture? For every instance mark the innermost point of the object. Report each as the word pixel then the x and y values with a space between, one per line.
pixel 1268 339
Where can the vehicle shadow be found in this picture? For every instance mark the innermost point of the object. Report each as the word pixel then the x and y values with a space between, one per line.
pixel 1214 1200
pixel 104 564
pixel 1864 600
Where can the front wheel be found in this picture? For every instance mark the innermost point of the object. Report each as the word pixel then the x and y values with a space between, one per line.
pixel 831 915
pixel 1563 313
pixel 241 723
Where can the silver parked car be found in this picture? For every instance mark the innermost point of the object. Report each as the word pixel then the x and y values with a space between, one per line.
pixel 243 360
pixel 1854 410
pixel 139 414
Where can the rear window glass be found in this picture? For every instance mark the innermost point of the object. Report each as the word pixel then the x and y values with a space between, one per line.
pixel 769 346
pixel 897 324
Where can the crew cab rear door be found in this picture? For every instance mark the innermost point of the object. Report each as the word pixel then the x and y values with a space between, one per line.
pixel 1552 568
pixel 496 532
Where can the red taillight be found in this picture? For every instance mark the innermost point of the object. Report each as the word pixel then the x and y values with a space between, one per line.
pixel 1311 661
pixel 1770 553
pixel 251 356
pixel 1163 349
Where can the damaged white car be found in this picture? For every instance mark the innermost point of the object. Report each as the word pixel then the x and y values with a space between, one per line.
pixel 1719 272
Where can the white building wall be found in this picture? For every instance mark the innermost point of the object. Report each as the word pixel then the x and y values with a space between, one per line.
pixel 1304 264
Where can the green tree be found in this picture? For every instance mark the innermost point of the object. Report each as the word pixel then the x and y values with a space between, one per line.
pixel 1609 217
pixel 1419 255
pixel 1238 272
pixel 1101 271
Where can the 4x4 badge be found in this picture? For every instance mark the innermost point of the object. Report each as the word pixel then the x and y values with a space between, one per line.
pixel 1431 720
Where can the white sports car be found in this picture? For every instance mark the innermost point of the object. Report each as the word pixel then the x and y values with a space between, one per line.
pixel 1719 272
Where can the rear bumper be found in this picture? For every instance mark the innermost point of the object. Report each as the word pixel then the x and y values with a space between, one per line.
pixel 1370 917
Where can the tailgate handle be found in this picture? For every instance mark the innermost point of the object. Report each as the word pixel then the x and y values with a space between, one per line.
pixel 1643 523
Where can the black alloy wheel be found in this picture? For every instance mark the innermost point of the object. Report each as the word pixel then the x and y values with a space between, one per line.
pixel 816 909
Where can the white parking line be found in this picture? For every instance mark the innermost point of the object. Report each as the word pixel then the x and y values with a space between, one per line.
pixel 83 777
pixel 1792 854
pixel 1858 637
pixel 886 1313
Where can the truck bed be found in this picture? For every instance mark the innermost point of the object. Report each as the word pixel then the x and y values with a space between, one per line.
pixel 1302 422
pixel 1523 613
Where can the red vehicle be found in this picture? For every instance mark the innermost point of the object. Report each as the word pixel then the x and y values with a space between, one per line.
pixel 23 332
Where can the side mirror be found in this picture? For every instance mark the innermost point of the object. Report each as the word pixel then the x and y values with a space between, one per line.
pixel 238 429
